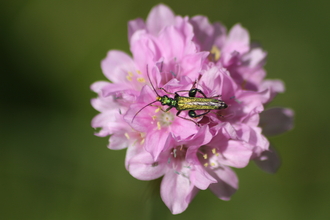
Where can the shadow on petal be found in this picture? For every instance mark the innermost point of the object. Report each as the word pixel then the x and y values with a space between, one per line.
pixel 269 161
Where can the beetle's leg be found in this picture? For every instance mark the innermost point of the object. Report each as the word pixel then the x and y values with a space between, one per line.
pixel 193 92
pixel 178 115
pixel 183 91
pixel 216 96
pixel 192 114
pixel 169 108
pixel 158 108
pixel 220 115
pixel 166 91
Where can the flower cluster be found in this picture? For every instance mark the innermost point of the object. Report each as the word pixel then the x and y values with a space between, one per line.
pixel 172 55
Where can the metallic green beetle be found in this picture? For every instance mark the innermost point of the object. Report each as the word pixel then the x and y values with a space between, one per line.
pixel 190 104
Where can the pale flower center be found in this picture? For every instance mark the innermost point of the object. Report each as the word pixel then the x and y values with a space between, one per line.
pixel 177 161
pixel 162 119
pixel 166 118
pixel 208 157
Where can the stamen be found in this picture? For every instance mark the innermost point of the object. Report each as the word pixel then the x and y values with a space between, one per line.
pixel 158 125
pixel 215 53
pixel 184 175
pixel 205 156
pixel 214 150
pixel 206 164
pixel 174 153
pixel 141 80
pixel 244 84
pixel 134 143
pixel 157 110
pixel 139 72
pixel 212 164
pixel 236 100
pixel 142 134
pixel 142 141
pixel 127 136
pixel 129 78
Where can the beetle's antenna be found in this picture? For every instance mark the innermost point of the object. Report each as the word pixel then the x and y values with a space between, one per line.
pixel 142 109
pixel 151 82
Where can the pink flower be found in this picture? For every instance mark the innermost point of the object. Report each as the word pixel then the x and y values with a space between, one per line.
pixel 179 62
pixel 199 162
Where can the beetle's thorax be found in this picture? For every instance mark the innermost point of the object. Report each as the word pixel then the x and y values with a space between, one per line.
pixel 165 100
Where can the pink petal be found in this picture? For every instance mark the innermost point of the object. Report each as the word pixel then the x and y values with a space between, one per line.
pixel 177 191
pixel 174 43
pixel 255 57
pixel 275 121
pixel 135 25
pixel 113 87
pixel 103 119
pixel 155 142
pixel 183 129
pixel 229 131
pixel 103 104
pixel 159 17
pixel 97 86
pixel 192 64
pixel 118 141
pixel 238 41
pixel 254 137
pixel 206 33
pixel 144 167
pixel 236 154
pixel 227 182
pixel 274 86
pixel 254 100
pixel 130 153
pixel 269 161
pixel 200 178
pixel 116 66
pixel 144 49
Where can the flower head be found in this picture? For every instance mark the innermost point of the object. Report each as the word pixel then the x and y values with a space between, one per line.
pixel 188 105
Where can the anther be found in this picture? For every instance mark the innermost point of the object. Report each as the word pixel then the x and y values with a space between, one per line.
pixel 127 136
pixel 141 80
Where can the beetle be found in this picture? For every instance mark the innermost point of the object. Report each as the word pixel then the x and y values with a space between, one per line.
pixel 190 103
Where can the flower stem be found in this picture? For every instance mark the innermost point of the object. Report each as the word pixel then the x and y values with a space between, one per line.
pixel 156 208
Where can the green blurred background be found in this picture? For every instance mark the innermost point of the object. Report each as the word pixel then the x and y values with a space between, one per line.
pixel 53 167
